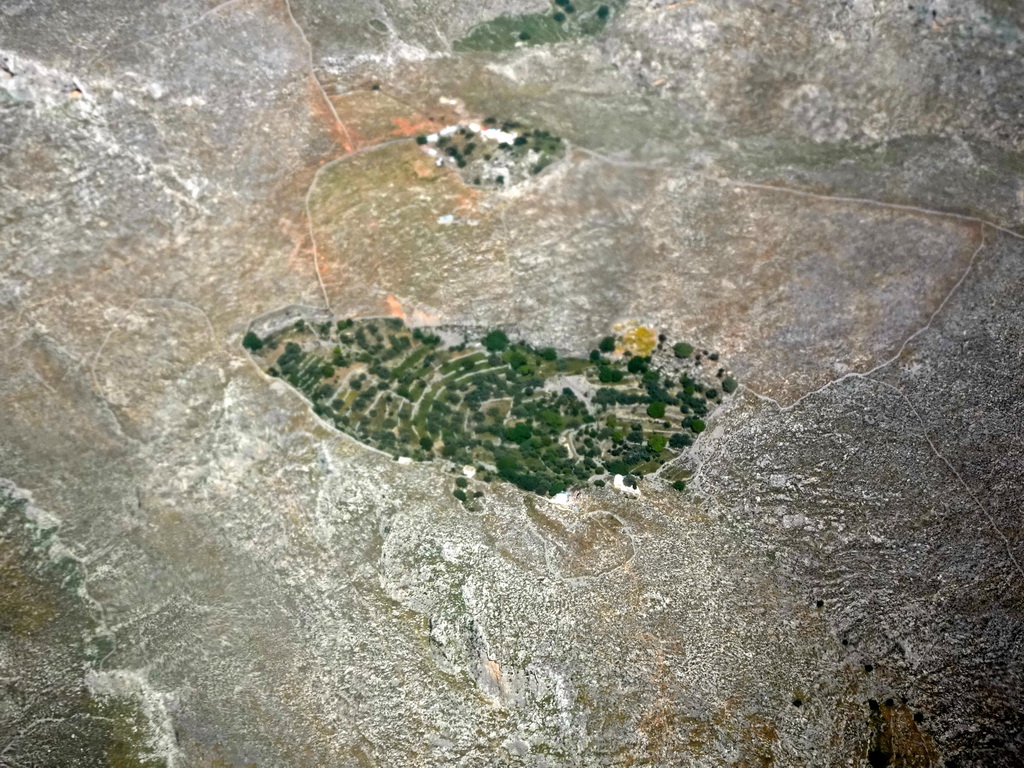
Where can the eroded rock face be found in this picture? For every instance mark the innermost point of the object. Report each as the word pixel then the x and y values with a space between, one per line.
pixel 828 194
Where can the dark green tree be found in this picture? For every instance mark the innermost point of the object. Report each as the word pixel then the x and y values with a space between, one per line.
pixel 519 433
pixel 682 350
pixel 617 467
pixel 252 342
pixel 656 410
pixel 637 364
pixel 679 440
pixel 607 344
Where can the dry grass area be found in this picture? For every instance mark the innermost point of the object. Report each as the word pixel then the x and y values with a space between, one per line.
pixel 793 292
pixel 376 222
pixel 373 116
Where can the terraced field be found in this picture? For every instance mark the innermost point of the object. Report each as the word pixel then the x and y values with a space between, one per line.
pixel 515 412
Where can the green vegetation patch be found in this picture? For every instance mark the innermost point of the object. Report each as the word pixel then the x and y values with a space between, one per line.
pixel 564 20
pixel 494 153
pixel 513 411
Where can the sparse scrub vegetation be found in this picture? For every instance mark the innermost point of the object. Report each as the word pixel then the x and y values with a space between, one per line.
pixel 562 21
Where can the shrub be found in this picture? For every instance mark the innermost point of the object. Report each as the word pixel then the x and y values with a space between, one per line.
pixel 252 341
pixel 609 375
pixel 459 494
pixel 461 482
pixel 679 485
pixel 617 467
pixel 729 385
pixel 656 410
pixel 426 442
pixel 679 440
pixel 548 353
pixel 515 358
pixel 682 350
pixel 607 344
pixel 637 364
pixel 520 433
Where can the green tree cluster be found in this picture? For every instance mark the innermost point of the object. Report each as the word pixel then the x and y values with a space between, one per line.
pixel 449 402
pixel 252 342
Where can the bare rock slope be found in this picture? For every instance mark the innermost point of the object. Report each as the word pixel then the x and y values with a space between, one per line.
pixel 196 571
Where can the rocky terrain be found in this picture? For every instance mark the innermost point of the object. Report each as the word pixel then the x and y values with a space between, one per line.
pixel 196 571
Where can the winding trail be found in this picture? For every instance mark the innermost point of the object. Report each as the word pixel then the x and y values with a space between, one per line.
pixel 959 478
pixel 975 221
pixel 890 360
pixel 780 189
pixel 868 376
pixel 309 195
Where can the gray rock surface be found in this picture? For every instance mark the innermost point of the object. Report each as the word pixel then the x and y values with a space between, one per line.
pixel 197 572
